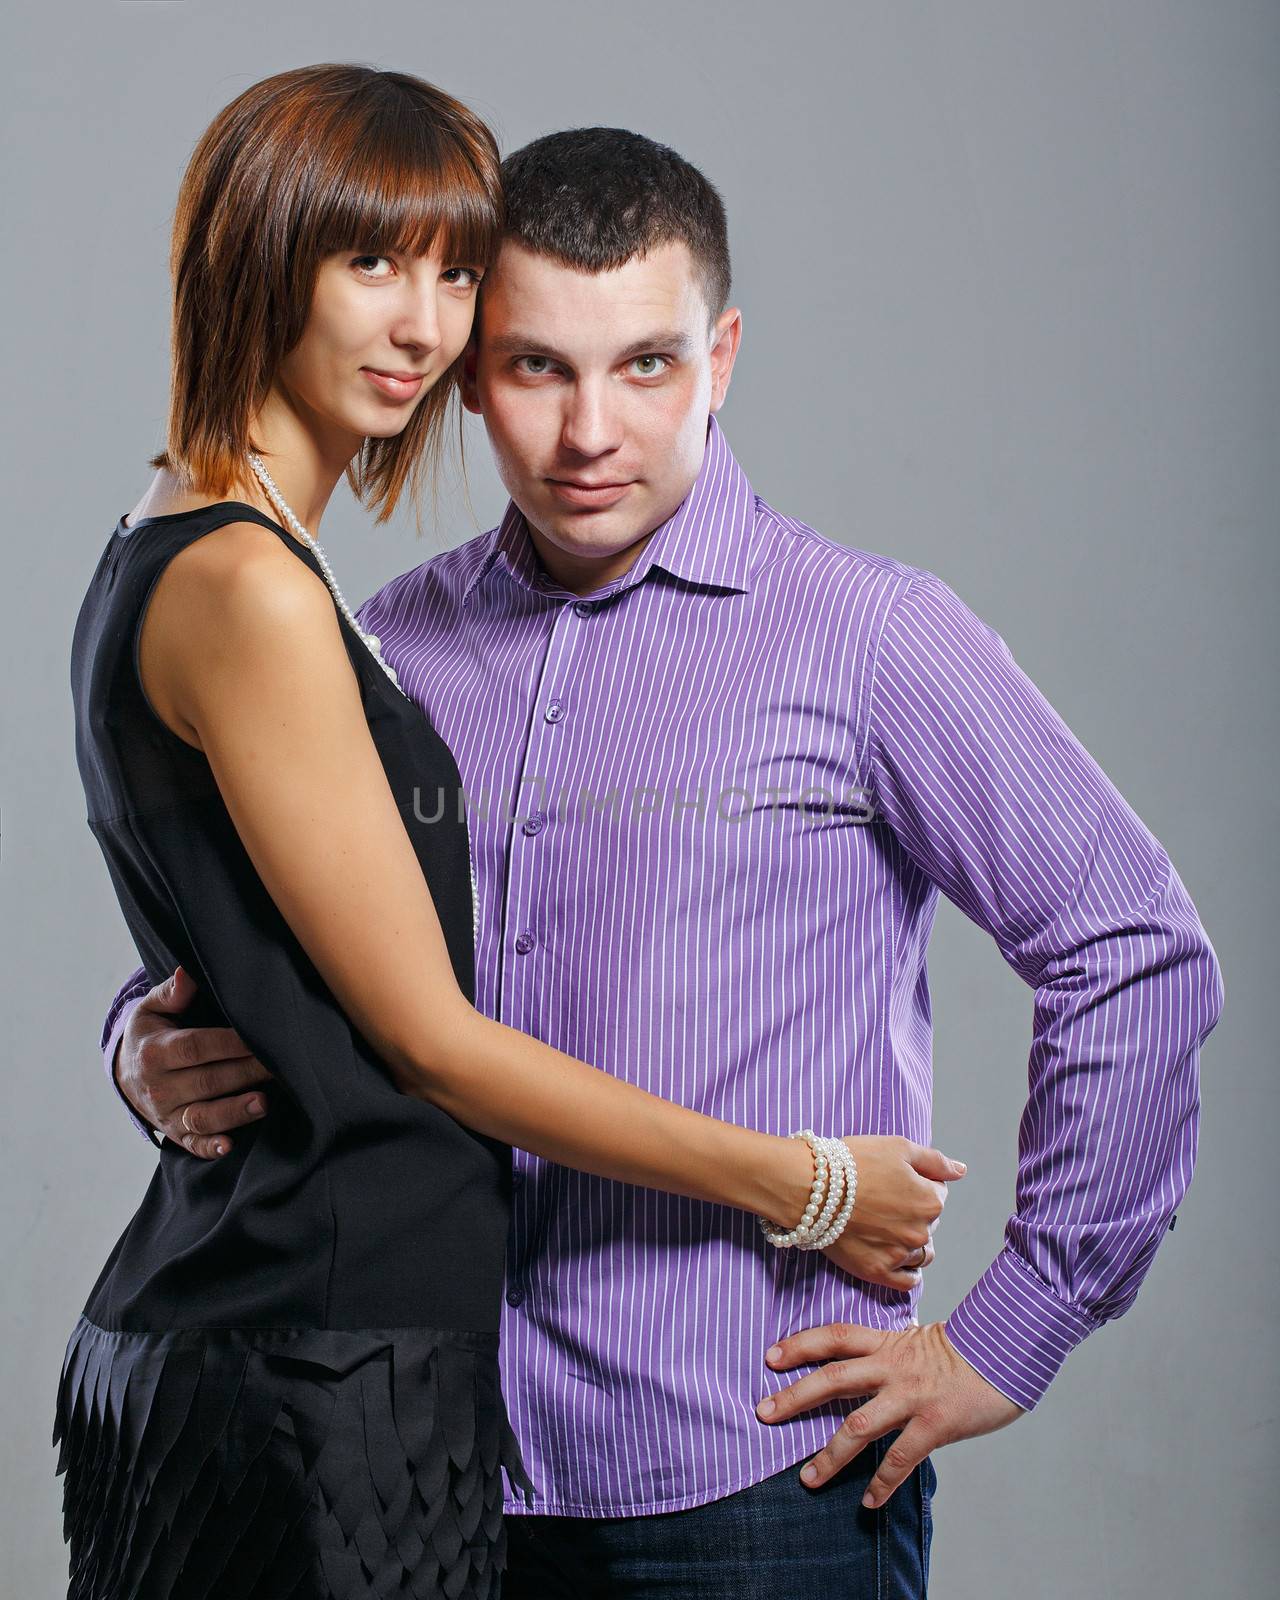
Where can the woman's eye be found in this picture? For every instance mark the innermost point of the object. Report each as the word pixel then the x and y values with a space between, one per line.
pixel 647 366
pixel 469 278
pixel 357 263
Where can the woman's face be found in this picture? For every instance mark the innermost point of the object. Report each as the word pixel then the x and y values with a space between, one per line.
pixel 381 332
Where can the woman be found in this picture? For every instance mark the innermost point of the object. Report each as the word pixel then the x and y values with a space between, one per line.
pixel 285 1379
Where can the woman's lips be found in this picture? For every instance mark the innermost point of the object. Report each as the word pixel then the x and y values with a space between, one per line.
pixel 397 388
pixel 593 497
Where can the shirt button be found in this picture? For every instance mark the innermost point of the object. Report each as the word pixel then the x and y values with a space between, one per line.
pixel 534 824
pixel 515 1297
pixel 554 711
pixel 583 608
pixel 524 943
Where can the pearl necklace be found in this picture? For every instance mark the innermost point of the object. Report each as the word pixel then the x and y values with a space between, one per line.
pixel 286 512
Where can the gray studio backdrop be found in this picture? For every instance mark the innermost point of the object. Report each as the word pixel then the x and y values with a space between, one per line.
pixel 1009 275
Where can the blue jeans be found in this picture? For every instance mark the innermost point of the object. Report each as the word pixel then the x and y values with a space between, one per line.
pixel 772 1541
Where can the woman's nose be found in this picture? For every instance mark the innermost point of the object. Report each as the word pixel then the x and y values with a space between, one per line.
pixel 420 323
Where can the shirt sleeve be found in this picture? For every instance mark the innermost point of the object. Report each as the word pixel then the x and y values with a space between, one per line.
pixel 992 797
pixel 122 1007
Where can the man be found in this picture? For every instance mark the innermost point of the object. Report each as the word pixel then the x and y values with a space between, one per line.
pixel 719 768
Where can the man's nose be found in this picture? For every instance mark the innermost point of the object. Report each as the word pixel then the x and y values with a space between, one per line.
pixel 590 426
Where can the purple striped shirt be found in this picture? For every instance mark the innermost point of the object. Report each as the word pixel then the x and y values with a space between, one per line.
pixel 712 806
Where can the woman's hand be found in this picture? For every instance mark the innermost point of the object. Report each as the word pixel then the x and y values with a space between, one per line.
pixel 902 1188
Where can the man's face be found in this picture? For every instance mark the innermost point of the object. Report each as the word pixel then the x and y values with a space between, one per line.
pixel 595 391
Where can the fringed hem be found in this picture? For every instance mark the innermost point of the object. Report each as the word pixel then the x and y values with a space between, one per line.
pixel 291 1464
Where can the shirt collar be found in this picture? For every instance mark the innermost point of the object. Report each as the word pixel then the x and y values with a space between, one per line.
pixel 706 540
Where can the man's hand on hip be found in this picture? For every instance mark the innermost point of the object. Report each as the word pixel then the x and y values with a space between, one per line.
pixel 189 1083
pixel 917 1382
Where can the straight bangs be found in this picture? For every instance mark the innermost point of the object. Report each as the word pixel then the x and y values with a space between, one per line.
pixel 300 166
pixel 406 186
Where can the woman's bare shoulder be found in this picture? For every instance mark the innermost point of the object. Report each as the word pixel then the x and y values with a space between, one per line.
pixel 241 576
pixel 234 615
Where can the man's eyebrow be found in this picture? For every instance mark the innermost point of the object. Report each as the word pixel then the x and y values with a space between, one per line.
pixel 672 341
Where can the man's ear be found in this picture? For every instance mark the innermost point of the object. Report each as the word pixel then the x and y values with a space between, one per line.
pixel 467 385
pixel 726 336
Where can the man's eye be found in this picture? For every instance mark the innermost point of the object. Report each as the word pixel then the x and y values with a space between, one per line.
pixel 535 366
pixel 648 367
pixel 357 263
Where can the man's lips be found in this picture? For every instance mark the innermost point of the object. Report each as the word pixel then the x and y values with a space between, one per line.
pixel 591 496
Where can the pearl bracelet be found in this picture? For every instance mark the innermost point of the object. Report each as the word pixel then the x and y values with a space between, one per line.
pixel 804 1228
pixel 835 1183
pixel 849 1166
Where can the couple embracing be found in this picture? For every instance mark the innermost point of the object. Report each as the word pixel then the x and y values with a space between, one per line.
pixel 533 1007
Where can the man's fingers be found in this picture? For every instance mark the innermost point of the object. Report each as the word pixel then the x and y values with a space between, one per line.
pixel 837 1378
pixel 180 1048
pixel 175 994
pixel 202 1127
pixel 859 1428
pixel 901 1459
pixel 213 1082
pixel 832 1339
pixel 220 1116
pixel 208 1149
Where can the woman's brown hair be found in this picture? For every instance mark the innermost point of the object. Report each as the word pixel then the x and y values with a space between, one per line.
pixel 319 159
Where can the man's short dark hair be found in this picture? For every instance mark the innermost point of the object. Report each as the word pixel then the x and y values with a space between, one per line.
pixel 594 197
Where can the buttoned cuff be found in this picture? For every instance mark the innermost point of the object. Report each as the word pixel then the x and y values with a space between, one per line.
pixel 1015 1330
pixel 109 1058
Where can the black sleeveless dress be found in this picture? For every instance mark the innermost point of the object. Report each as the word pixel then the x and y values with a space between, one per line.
pixel 285 1380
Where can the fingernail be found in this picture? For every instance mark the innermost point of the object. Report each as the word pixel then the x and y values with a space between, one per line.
pixel 766 1408
pixel 961 1167
pixel 219 1149
pixel 810 1473
pixel 869 1500
pixel 773 1353
pixel 254 1107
